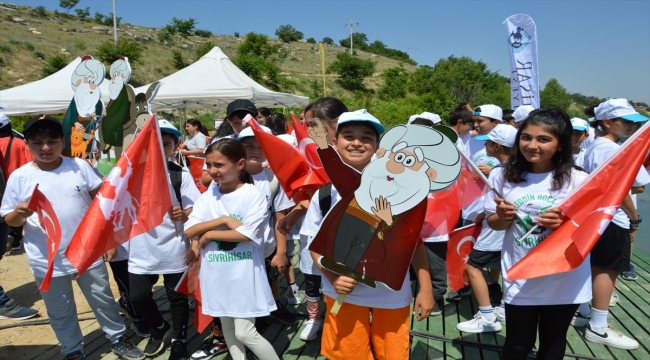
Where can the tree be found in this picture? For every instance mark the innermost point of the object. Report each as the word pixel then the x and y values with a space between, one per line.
pixel 184 28
pixel 328 41
pixel 203 49
pixel 360 41
pixel 260 60
pixel 54 64
pixel 178 60
pixel 352 70
pixel 311 40
pixel 83 13
pixel 395 81
pixel 68 4
pixel 555 95
pixel 108 52
pixel 288 33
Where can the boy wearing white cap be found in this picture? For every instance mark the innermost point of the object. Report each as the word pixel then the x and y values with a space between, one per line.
pixel 521 113
pixel 487 249
pixel 580 133
pixel 611 254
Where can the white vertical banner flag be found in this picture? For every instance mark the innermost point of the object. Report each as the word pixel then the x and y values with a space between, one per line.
pixel 522 47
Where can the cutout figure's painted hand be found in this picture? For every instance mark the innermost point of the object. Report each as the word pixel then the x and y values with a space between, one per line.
pixel 319 134
pixel 79 126
pixel 382 210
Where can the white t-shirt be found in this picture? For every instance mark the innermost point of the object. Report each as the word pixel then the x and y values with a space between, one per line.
pixel 599 152
pixel 479 157
pixel 280 202
pixel 579 159
pixel 531 197
pixel 162 250
pixel 380 297
pixel 67 188
pixel 196 142
pixel 462 142
pixel 591 136
pixel 233 282
pixel 488 239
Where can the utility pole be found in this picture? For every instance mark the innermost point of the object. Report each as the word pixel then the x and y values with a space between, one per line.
pixel 351 25
pixel 411 51
pixel 114 24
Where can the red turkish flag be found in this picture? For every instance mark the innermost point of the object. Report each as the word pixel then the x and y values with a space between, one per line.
pixel 646 162
pixel 461 242
pixel 471 183
pixel 190 286
pixel 50 223
pixel 292 169
pixel 588 209
pixel 309 149
pixel 196 169
pixel 133 199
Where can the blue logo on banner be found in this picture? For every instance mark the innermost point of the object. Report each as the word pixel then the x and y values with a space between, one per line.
pixel 519 40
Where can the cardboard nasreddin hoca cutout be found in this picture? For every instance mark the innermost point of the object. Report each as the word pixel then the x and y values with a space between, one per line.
pixel 372 232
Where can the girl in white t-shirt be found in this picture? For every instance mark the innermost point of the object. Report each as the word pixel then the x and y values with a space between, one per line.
pixel 229 221
pixel 539 174
pixel 197 138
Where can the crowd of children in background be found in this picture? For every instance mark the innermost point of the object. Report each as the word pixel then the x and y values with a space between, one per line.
pixel 246 218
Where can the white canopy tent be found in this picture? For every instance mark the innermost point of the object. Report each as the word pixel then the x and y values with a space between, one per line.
pixel 51 95
pixel 211 83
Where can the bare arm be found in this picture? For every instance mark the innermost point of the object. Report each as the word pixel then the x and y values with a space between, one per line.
pixel 424 298
pixel 222 235
pixel 197 152
pixel 342 284
pixel 280 258
pixel 504 216
pixel 628 207
pixel 201 228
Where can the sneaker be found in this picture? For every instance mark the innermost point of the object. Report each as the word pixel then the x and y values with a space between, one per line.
pixel 284 316
pixel 495 292
pixel 77 355
pixel 438 305
pixel 211 347
pixel 479 325
pixel 312 327
pixel 178 351
pixel 459 294
pixel 125 348
pixel 580 320
pixel 610 337
pixel 626 275
pixel 141 327
pixel 15 249
pixel 614 299
pixel 157 340
pixel 500 318
pixel 13 311
pixel 293 297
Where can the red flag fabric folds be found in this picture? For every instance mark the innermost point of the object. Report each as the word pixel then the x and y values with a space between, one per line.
pixel 133 199
pixel 588 210
pixel 50 223
pixel 196 169
pixel 190 286
pixel 461 242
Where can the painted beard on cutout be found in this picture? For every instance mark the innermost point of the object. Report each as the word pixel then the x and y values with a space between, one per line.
pixel 86 99
pixel 115 87
pixel 403 191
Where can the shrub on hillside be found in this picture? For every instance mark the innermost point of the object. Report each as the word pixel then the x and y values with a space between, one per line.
pixel 29 46
pixel 54 64
pixel 203 49
pixel 352 70
pixel 203 33
pixel 108 52
pixel 39 12
pixel 288 33
pixel 328 41
pixel 5 48
pixel 178 60
pixel 311 40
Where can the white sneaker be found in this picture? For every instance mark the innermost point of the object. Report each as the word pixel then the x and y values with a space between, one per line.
pixel 479 325
pixel 580 320
pixel 293 297
pixel 501 318
pixel 312 327
pixel 610 337
pixel 613 300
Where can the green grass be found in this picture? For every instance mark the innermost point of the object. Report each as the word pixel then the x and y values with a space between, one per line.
pixel 29 46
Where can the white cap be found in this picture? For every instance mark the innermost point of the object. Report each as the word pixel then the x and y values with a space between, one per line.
pixel 166 126
pixel 502 134
pixel 435 118
pixel 618 108
pixel 3 106
pixel 521 113
pixel 490 111
pixel 4 120
pixel 360 115
pixel 248 132
pixel 413 117
pixel 579 124
pixel 288 138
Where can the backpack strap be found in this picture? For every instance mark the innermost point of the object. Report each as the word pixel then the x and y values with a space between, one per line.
pixel 325 198
pixel 176 177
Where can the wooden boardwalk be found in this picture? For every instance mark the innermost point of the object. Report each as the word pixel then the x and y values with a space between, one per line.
pixel 631 316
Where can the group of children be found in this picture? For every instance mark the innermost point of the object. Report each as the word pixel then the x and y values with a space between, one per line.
pixel 243 231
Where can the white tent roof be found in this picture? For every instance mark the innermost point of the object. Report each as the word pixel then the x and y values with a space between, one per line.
pixel 51 95
pixel 211 83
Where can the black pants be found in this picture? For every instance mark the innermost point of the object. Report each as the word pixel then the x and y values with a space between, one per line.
pixel 120 271
pixel 142 297
pixel 312 286
pixel 437 258
pixel 17 234
pixel 521 329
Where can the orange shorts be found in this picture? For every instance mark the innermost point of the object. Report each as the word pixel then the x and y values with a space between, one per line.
pixel 347 335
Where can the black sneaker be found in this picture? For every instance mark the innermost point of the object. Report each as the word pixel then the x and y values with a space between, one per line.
pixel 77 355
pixel 178 351
pixel 141 327
pixel 438 305
pixel 495 292
pixel 213 346
pixel 459 294
pixel 284 316
pixel 157 340
pixel 125 348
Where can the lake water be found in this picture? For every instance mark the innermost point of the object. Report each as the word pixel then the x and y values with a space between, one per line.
pixel 642 241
